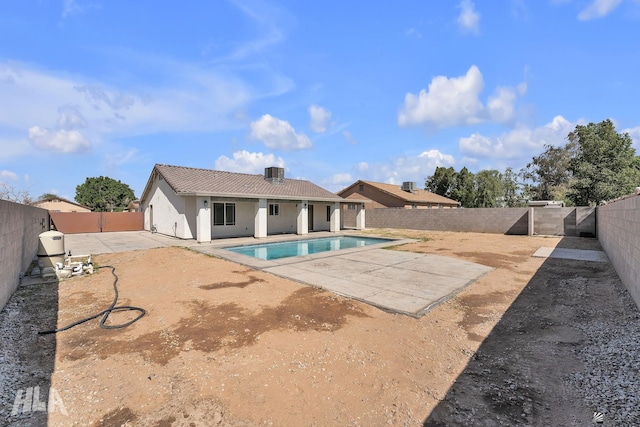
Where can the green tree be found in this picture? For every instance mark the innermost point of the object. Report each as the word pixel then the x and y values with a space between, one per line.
pixel 442 181
pixel 512 189
pixel 604 164
pixel 103 194
pixel 548 176
pixel 465 189
pixel 489 188
pixel 48 196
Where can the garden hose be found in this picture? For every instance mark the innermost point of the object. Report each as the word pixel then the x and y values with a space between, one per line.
pixel 105 313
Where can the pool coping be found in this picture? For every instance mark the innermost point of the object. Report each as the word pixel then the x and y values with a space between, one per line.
pixel 249 261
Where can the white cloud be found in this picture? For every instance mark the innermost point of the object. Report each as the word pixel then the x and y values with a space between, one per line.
pixel 406 168
pixel 469 19
pixel 320 118
pixel 70 7
pixel 96 96
pixel 246 162
pixel 341 179
pixel 598 9
pixel 8 174
pixel 501 105
pixel 270 23
pixel 448 102
pixel 278 134
pixel 62 141
pixel 349 137
pixel 70 117
pixel 521 143
pixel 50 112
pixel 362 167
pixel 634 133
pixel 116 158
pixel 455 101
pixel 200 100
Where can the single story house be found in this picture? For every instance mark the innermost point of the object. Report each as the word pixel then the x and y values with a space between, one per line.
pixel 407 196
pixel 204 204
pixel 59 204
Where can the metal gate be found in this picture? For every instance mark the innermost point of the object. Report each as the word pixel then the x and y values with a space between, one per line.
pixel 97 222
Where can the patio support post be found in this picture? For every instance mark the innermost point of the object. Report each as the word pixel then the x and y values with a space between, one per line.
pixel 531 221
pixel 334 226
pixel 360 217
pixel 302 223
pixel 203 219
pixel 261 219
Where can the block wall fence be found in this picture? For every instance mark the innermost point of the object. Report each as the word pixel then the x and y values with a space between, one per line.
pixel 619 235
pixel 547 221
pixel 20 226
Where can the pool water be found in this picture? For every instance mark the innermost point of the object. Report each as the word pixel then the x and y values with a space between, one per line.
pixel 278 250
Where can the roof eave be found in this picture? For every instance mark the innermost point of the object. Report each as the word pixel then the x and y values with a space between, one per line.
pixel 259 196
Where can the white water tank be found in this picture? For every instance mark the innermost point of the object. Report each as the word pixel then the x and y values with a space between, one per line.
pixel 51 248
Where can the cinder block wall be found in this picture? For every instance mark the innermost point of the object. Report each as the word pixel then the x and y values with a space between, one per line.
pixel 485 220
pixel 580 221
pixel 547 221
pixel 619 235
pixel 20 226
pixel 586 221
pixel 555 221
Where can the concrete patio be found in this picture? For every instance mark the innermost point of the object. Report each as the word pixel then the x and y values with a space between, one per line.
pixel 400 282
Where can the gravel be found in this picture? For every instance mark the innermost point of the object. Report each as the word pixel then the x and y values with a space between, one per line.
pixel 610 382
pixel 26 358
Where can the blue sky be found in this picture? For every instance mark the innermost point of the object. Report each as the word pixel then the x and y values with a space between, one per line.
pixel 333 91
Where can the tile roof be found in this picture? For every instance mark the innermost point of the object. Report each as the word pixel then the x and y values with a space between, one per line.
pixel 53 198
pixel 207 182
pixel 418 196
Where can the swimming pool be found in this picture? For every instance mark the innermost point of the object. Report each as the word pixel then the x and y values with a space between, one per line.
pixel 276 250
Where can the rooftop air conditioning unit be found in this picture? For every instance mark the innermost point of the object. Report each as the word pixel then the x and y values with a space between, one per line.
pixel 274 175
pixel 409 186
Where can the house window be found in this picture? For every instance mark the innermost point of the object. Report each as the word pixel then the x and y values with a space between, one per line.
pixel 224 214
pixel 274 209
pixel 361 187
pixel 218 214
pixel 352 206
pixel 328 213
pixel 230 214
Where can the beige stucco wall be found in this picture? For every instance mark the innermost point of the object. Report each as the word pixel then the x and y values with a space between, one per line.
pixel 380 199
pixel 20 226
pixel 619 235
pixel 320 222
pixel 245 220
pixel 61 206
pixel 169 211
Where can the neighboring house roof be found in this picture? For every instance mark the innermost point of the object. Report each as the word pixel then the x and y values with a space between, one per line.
pixel 187 181
pixel 357 197
pixel 417 196
pixel 58 199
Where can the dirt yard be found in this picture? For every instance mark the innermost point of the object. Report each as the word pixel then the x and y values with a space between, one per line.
pixel 225 345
